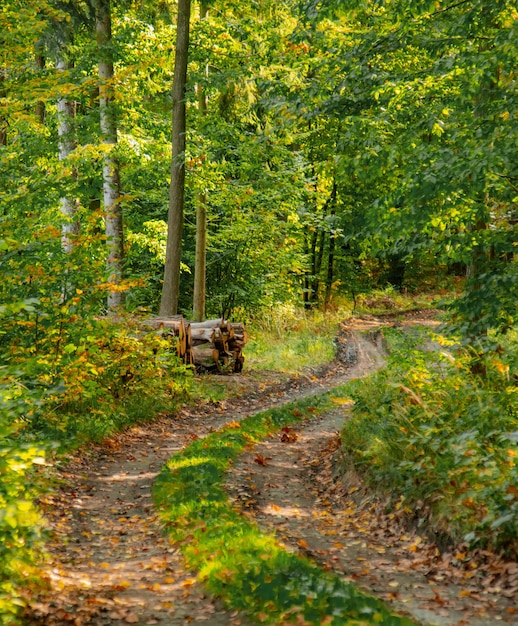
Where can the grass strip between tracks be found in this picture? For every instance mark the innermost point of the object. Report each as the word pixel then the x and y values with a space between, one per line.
pixel 248 569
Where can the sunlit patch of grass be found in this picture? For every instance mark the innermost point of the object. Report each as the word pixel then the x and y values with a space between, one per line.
pixel 290 338
pixel 391 300
pixel 248 569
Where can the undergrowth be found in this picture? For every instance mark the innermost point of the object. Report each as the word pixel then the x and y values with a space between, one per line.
pixel 249 570
pixel 289 338
pixel 429 433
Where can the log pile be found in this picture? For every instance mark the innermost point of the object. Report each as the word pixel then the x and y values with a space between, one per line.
pixel 210 346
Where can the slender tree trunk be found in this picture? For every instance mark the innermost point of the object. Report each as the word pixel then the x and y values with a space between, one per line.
pixel 39 60
pixel 66 145
pixel 307 276
pixel 3 118
pixel 200 259
pixel 111 174
pixel 200 264
pixel 330 266
pixel 317 254
pixel 171 285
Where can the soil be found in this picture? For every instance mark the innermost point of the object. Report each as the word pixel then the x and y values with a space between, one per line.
pixel 110 564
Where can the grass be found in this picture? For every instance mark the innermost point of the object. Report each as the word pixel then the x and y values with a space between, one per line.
pixel 249 570
pixel 428 432
pixel 291 339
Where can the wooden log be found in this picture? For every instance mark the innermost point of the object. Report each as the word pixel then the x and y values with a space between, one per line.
pixel 219 323
pixel 205 356
pixel 164 322
pixel 209 345
pixel 202 334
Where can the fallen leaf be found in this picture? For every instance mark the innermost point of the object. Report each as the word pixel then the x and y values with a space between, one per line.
pixel 260 459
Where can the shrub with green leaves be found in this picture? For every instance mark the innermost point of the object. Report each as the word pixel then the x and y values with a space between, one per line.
pixel 429 431
pixel 20 521
pixel 106 375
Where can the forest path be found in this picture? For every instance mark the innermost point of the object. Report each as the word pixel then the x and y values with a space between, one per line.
pixel 111 565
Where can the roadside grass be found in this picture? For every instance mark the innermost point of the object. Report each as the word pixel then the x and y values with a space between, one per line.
pixel 290 339
pixel 440 441
pixel 249 570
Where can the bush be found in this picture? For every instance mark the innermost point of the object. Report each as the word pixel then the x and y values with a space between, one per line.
pixel 443 440
pixel 108 375
pixel 20 521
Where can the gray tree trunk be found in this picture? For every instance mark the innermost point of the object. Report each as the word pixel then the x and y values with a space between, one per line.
pixel 66 145
pixel 171 285
pixel 111 175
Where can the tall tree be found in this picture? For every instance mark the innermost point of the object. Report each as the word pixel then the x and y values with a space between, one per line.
pixel 198 309
pixel 171 284
pixel 111 172
pixel 67 144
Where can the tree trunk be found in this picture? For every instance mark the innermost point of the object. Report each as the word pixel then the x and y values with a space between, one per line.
pixel 3 119
pixel 198 310
pixel 111 175
pixel 66 145
pixel 39 59
pixel 200 263
pixel 171 286
pixel 330 266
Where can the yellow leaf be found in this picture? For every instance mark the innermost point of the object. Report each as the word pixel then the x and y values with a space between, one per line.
pixel 341 400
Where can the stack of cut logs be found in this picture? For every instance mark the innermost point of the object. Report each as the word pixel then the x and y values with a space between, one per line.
pixel 213 346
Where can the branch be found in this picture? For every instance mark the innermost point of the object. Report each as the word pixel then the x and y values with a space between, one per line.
pixel 508 179
pixel 452 6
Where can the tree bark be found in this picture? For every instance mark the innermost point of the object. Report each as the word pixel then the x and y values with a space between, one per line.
pixel 200 263
pixel 3 119
pixel 111 175
pixel 171 285
pixel 66 145
pixel 330 266
pixel 39 60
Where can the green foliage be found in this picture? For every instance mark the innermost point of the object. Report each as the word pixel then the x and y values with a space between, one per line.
pixel 290 338
pixel 106 374
pixel 249 570
pixel 20 521
pixel 429 431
